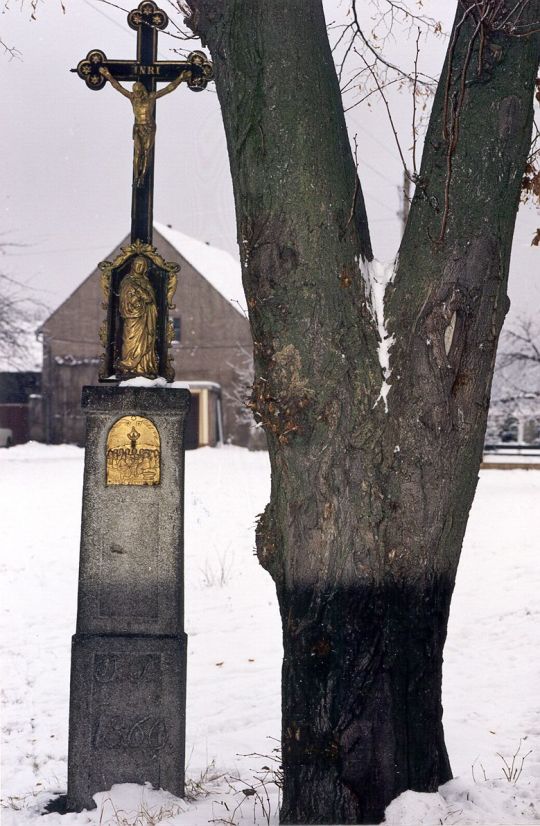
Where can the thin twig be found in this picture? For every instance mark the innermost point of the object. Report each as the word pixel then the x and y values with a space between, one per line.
pixel 390 118
pixel 414 101
pixel 373 92
pixel 182 36
pixel 356 184
pixel 11 51
pixel 430 80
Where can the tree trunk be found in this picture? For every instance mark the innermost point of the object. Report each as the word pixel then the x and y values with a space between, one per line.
pixel 368 507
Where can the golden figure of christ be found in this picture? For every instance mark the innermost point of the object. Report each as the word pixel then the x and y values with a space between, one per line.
pixel 144 127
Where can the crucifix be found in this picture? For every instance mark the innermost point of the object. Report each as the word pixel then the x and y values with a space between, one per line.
pixel 146 71
pixel 136 333
pixel 129 652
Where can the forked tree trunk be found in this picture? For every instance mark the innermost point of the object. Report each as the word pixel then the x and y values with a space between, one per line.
pixel 368 508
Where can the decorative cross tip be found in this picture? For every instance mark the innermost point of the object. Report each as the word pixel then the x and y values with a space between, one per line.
pixel 147 14
pixel 88 69
pixel 202 71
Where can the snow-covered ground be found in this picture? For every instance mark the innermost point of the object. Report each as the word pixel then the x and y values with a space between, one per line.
pixel 491 674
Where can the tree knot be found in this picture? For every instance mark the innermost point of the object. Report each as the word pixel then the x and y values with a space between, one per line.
pixel 444 327
pixel 279 401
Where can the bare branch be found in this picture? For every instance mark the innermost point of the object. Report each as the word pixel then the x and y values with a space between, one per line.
pixel 415 84
pixel 11 51
pixel 356 184
pixel 516 383
pixel 412 78
pixel 385 100
pixel 20 315
pixel 181 34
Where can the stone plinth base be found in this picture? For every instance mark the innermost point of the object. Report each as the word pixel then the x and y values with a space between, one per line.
pixel 126 714
pixel 128 673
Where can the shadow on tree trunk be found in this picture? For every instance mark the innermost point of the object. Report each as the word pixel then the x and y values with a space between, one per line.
pixel 361 701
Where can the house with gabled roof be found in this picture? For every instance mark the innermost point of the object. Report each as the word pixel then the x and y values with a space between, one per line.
pixel 211 348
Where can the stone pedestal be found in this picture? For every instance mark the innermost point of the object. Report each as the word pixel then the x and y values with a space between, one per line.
pixel 128 673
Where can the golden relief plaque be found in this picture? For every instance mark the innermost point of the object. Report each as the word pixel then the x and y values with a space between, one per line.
pixel 133 452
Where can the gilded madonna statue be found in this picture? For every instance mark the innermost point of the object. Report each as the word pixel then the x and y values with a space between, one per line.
pixel 138 309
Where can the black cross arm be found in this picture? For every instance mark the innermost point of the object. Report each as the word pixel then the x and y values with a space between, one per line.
pixel 197 64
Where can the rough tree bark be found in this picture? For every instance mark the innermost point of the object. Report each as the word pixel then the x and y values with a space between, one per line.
pixel 368 508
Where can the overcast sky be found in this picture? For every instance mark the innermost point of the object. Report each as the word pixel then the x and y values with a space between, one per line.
pixel 66 154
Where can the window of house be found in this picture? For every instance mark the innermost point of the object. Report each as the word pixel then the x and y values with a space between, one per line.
pixel 177 329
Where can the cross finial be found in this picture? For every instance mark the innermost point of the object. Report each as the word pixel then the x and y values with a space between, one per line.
pixel 148 14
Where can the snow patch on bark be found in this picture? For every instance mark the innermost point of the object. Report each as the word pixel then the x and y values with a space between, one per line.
pixel 377 276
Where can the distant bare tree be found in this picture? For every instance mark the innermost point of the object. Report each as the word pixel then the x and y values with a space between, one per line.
pixel 20 314
pixel 239 397
pixel 240 392
pixel 516 382
pixel 521 343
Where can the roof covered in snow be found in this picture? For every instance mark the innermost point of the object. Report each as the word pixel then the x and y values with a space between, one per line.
pixel 218 267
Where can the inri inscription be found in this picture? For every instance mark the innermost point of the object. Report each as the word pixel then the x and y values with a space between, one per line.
pixel 133 452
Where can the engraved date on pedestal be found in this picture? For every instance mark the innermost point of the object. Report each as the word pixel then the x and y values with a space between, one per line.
pixel 110 668
pixel 119 732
